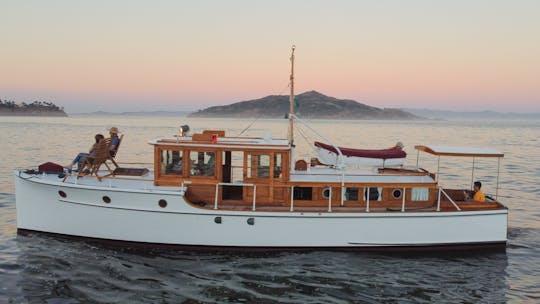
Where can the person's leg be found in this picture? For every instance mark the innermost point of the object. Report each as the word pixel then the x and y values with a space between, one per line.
pixel 79 160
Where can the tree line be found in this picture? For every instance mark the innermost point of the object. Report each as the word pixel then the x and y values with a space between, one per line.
pixel 12 106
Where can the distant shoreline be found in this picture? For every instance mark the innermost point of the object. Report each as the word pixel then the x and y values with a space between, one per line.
pixel 36 108
pixel 33 114
pixel 427 114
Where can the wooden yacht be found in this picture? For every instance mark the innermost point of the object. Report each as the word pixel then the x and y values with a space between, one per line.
pixel 209 189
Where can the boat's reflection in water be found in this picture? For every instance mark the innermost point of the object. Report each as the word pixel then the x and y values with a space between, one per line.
pixel 67 271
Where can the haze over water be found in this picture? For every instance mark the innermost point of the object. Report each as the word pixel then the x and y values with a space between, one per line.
pixel 45 269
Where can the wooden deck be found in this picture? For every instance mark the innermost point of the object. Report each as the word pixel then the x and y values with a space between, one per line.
pixel 446 206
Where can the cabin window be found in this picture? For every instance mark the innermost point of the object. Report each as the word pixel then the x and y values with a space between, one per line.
pixel 351 194
pixel 420 194
pixel 396 193
pixel 258 166
pixel 171 162
pixel 373 193
pixel 302 193
pixel 278 165
pixel 202 163
pixel 237 166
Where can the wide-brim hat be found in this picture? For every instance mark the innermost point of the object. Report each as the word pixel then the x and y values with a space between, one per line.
pixel 114 130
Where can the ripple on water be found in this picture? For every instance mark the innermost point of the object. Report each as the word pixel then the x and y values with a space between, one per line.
pixel 43 269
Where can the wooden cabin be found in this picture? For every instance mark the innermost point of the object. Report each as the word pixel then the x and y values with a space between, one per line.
pixel 256 174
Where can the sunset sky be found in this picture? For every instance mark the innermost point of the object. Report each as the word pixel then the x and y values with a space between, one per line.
pixel 185 55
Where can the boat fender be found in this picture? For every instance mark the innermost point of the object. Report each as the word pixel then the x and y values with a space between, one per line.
pixel 217 220
pixel 251 221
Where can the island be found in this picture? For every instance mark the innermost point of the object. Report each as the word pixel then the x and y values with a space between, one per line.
pixel 311 104
pixel 36 108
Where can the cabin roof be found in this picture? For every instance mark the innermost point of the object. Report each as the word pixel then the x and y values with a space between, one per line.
pixel 356 176
pixel 460 151
pixel 224 142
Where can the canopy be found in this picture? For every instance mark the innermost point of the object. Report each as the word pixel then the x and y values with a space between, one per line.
pixel 460 151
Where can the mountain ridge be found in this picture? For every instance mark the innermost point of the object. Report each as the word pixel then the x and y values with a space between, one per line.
pixel 311 104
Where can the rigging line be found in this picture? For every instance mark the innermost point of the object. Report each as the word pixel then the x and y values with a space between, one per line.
pixel 307 138
pixel 306 134
pixel 303 133
pixel 310 140
pixel 261 113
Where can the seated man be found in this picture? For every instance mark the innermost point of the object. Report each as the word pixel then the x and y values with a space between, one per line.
pixel 477 194
pixel 115 141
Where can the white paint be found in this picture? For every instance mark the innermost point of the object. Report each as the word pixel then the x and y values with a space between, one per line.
pixel 136 216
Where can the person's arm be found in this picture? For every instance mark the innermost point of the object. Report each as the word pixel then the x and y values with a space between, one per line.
pixel 114 143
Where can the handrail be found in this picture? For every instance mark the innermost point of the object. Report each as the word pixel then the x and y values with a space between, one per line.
pixel 292 198
pixel 235 184
pixel 329 199
pixel 365 193
pixel 367 200
pixel 447 196
pixel 404 194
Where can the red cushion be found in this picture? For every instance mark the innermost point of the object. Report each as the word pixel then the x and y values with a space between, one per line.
pixel 49 167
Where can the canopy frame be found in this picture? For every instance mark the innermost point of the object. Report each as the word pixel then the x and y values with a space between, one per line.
pixel 462 152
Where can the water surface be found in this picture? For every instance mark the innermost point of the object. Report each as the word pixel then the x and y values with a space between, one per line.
pixel 45 269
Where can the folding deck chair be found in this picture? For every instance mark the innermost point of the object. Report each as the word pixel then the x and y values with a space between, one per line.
pixel 113 155
pixel 98 158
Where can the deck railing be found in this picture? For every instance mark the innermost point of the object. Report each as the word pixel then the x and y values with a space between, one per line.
pixel 447 196
pixel 365 194
pixel 239 185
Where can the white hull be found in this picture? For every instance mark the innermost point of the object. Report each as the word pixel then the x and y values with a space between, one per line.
pixel 134 216
pixel 330 158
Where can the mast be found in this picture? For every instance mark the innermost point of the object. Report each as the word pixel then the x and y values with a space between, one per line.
pixel 291 100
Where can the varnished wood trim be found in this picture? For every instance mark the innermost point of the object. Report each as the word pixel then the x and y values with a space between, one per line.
pixel 430 151
pixel 219 133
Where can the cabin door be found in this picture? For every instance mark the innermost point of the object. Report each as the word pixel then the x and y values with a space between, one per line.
pixel 233 162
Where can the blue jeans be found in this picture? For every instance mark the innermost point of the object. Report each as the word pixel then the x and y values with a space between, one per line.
pixel 79 159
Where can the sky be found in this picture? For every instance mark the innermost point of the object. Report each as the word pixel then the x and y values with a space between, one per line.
pixel 133 55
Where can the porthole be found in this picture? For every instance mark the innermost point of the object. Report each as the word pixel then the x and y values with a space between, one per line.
pixel 62 194
pixel 162 203
pixel 326 192
pixel 106 199
pixel 396 193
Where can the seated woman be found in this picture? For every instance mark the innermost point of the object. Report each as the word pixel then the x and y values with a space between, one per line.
pixel 81 156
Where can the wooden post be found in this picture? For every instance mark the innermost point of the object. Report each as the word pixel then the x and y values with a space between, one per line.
pixel 291 100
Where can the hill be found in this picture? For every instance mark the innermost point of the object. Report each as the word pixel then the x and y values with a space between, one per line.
pixel 311 104
pixel 36 108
